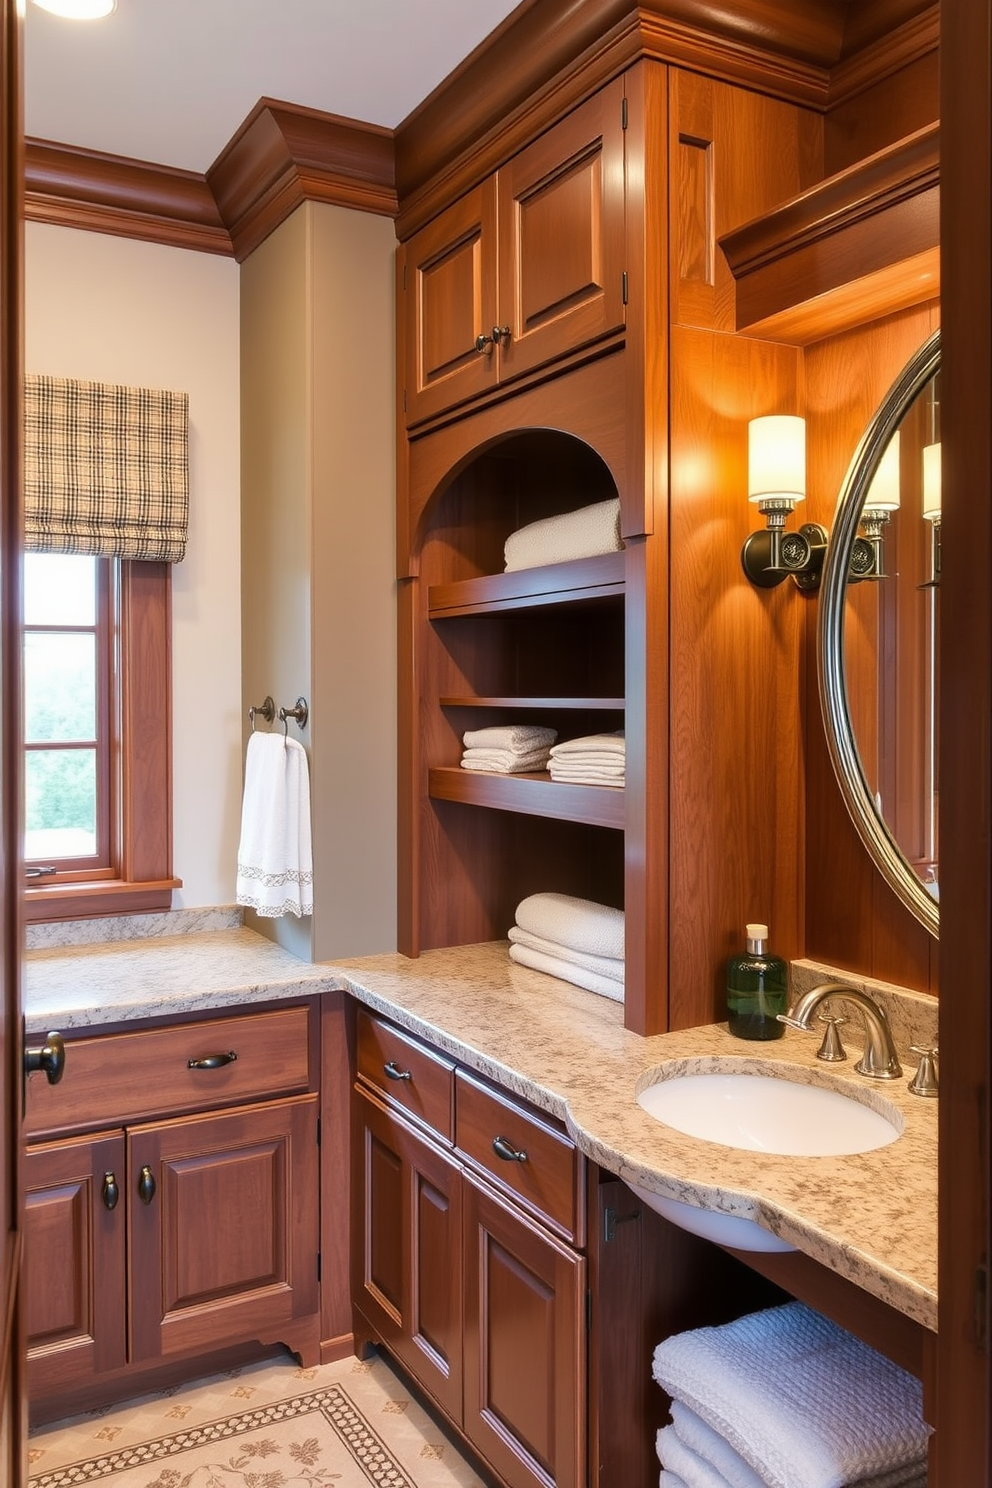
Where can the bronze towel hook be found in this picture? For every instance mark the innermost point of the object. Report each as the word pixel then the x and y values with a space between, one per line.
pixel 301 713
pixel 266 710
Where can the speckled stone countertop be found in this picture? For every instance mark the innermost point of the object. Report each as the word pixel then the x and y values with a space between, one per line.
pixel 85 985
pixel 871 1218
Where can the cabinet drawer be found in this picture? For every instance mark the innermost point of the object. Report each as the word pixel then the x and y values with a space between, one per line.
pixel 411 1075
pixel 122 1077
pixel 546 1177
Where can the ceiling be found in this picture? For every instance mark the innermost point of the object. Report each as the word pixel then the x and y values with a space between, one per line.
pixel 170 81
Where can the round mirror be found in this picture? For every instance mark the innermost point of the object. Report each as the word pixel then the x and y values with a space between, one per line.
pixel 879 616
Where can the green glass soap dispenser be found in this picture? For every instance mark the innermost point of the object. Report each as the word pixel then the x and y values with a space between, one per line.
pixel 757 989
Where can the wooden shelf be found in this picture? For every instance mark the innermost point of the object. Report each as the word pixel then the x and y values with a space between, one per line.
pixel 585 704
pixel 531 795
pixel 858 245
pixel 530 588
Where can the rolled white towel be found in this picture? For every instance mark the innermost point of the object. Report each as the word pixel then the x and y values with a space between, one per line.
pixel 694 1470
pixel 567 971
pixel 504 761
pixel 576 534
pixel 518 738
pixel 602 965
pixel 709 1445
pixel 579 924
pixel 611 744
pixel 804 1403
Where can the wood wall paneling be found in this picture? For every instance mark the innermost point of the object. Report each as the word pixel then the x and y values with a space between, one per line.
pixel 853 920
pixel 897 105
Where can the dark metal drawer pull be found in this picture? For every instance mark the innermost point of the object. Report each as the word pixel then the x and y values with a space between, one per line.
pixel 146 1185
pixel 395 1073
pixel 507 1151
pixel 111 1193
pixel 213 1061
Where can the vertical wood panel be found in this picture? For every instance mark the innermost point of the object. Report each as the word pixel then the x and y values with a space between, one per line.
pixel 736 813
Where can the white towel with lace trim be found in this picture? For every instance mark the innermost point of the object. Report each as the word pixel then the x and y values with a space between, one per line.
pixel 275 854
pixel 805 1403
pixel 575 534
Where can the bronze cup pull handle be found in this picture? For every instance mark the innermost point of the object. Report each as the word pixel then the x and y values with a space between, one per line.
pixel 146 1185
pixel 394 1072
pixel 213 1061
pixel 507 1151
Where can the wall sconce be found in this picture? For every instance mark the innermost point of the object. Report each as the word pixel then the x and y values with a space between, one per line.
pixel 776 480
pixel 932 505
pixel 881 501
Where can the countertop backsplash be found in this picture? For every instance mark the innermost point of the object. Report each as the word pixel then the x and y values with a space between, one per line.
pixel 912 1015
pixel 56 934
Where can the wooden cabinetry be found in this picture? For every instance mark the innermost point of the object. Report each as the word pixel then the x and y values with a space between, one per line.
pixel 457 1265
pixel 156 1240
pixel 523 270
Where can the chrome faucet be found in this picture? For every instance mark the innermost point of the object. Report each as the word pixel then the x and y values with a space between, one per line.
pixel 879 1060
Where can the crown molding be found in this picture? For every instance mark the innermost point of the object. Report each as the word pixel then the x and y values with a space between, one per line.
pixel 285 154
pixel 74 187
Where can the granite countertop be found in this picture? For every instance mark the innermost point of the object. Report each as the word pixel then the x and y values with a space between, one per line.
pixel 871 1217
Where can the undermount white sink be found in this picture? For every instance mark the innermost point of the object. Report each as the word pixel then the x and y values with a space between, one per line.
pixel 766 1113
pixel 758 1113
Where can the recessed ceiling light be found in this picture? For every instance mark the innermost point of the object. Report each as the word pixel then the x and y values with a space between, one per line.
pixel 78 10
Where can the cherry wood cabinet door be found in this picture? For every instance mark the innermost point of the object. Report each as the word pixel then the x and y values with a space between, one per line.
pixel 74 1261
pixel 525 1346
pixel 450 293
pixel 222 1222
pixel 560 209
pixel 407 1256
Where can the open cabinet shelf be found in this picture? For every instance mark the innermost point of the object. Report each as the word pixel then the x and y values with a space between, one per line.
pixel 532 795
pixel 529 588
pixel 584 704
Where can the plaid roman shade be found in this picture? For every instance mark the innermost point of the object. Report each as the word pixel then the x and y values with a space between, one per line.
pixel 106 469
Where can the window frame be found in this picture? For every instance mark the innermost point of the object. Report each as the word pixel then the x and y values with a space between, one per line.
pixel 141 764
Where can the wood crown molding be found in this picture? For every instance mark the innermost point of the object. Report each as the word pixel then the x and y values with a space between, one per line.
pixel 545 58
pixel 284 154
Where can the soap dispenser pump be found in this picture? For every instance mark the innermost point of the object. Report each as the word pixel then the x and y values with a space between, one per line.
pixel 757 989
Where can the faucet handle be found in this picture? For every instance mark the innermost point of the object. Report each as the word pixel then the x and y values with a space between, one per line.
pixel 831 1049
pixel 924 1082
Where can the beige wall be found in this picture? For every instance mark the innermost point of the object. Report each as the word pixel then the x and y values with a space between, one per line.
pixel 118 311
pixel 318 592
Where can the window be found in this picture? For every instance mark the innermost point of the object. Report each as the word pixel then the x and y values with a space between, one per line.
pixel 97 726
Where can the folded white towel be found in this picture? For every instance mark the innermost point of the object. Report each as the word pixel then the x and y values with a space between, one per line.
pixel 707 1444
pixel 577 534
pixel 275 856
pixel 717 1465
pixel 602 965
pixel 804 1403
pixel 579 924
pixel 567 971
pixel 610 744
pixel 518 738
pixel 670 1480
pixel 586 774
pixel 596 759
pixel 504 761
pixel 694 1470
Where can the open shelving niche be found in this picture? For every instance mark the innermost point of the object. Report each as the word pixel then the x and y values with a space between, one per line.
pixel 541 645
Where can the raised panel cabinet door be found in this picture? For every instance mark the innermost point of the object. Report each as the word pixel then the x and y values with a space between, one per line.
pixel 74 1276
pixel 525 1346
pixel 408 1256
pixel 450 303
pixel 560 206
pixel 223 1227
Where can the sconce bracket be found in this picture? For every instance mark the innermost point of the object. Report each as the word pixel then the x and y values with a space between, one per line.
pixel 768 557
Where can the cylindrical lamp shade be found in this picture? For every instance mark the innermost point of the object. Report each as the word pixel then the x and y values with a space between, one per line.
pixel 78 10
pixel 776 458
pixel 931 482
pixel 883 493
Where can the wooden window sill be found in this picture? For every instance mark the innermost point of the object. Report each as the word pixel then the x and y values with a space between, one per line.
pixel 84 901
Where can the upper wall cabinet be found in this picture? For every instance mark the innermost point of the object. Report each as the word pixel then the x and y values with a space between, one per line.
pixel 525 269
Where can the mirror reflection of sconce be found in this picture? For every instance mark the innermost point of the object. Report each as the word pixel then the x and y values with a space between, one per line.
pixel 881 501
pixel 776 481
pixel 931 507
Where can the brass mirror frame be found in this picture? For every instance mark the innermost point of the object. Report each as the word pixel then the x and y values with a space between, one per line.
pixel 844 756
